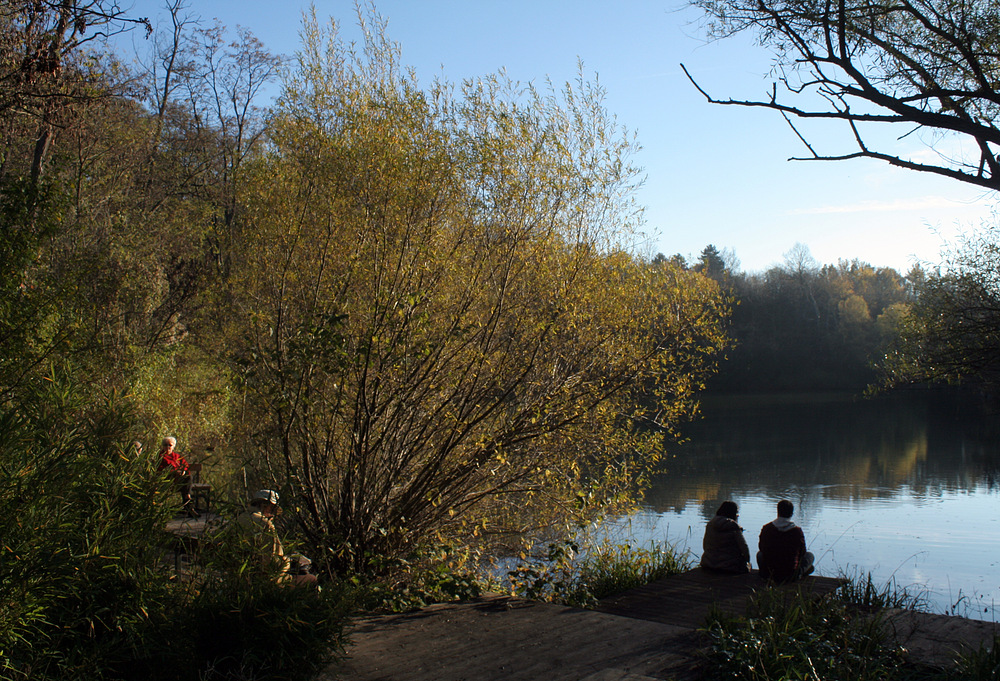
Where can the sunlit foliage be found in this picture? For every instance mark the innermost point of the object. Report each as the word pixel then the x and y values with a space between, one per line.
pixel 952 332
pixel 438 316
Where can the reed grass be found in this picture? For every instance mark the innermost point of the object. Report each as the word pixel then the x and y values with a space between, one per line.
pixel 567 575
pixel 838 637
pixel 612 568
pixel 982 664
pixel 862 592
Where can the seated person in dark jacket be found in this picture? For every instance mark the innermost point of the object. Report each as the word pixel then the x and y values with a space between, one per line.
pixel 725 548
pixel 783 556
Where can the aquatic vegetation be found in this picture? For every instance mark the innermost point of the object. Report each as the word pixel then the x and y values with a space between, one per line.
pixel 566 574
pixel 862 592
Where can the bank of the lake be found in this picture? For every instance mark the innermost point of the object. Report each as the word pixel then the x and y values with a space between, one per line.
pixel 904 487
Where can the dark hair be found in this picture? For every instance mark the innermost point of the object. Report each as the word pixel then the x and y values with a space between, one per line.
pixel 728 509
pixel 785 508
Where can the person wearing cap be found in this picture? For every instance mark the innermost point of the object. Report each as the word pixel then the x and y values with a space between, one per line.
pixel 257 525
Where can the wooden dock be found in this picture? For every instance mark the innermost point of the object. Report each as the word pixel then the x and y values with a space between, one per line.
pixel 185 536
pixel 645 634
pixel 499 638
pixel 685 600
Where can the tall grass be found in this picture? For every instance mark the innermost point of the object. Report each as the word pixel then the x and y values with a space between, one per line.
pixel 801 637
pixel 610 568
pixel 982 664
pixel 565 574
pixel 862 592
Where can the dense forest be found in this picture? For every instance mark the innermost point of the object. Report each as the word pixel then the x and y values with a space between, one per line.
pixel 803 326
pixel 800 326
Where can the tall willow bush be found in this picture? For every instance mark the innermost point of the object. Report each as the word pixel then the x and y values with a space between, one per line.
pixel 440 318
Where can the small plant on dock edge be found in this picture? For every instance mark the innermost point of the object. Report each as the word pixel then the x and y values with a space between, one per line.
pixel 862 592
pixel 609 568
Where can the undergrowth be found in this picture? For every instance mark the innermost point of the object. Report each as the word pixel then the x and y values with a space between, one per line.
pixel 792 636
pixel 842 636
pixel 90 591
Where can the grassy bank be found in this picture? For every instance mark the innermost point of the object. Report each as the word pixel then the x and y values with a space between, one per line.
pixel 840 636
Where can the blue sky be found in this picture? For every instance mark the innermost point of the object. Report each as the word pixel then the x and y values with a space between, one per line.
pixel 714 174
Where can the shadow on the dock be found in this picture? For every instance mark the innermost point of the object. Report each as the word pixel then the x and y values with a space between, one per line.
pixel 685 600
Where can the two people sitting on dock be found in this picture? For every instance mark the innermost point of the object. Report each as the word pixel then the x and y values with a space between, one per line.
pixel 175 464
pixel 257 526
pixel 725 549
pixel 783 556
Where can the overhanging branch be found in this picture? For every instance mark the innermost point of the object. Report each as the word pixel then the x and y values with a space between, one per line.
pixel 902 113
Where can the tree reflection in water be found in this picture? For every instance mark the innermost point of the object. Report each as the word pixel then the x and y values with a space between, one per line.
pixel 903 486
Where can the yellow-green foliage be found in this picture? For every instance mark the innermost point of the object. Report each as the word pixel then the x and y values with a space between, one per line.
pixel 440 320
pixel 185 393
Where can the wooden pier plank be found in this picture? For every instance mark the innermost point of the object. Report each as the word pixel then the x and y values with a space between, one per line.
pixel 645 634
pixel 687 599
pixel 514 640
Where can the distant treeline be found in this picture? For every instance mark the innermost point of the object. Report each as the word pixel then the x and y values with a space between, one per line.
pixel 803 326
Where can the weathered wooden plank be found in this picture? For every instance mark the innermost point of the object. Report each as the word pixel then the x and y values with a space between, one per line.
pixel 645 634
pixel 687 599
pixel 501 638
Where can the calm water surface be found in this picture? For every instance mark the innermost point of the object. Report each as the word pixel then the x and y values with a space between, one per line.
pixel 899 487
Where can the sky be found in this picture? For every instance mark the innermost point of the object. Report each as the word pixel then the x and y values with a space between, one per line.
pixel 715 174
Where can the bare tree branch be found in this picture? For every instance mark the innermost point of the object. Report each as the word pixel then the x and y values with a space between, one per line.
pixel 926 62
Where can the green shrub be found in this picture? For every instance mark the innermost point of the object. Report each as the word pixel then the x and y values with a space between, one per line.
pixel 89 590
pixel 425 576
pixel 80 519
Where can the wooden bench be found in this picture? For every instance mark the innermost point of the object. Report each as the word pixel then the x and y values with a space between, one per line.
pixel 199 490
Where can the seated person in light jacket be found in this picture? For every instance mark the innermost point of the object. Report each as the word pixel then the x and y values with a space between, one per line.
pixel 783 556
pixel 725 548
pixel 257 526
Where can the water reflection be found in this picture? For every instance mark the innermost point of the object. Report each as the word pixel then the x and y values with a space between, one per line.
pixel 846 450
pixel 904 487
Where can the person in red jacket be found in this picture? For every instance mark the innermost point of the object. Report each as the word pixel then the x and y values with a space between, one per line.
pixel 171 460
pixel 783 556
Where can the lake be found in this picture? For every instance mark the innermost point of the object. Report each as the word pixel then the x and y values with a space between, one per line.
pixel 904 487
